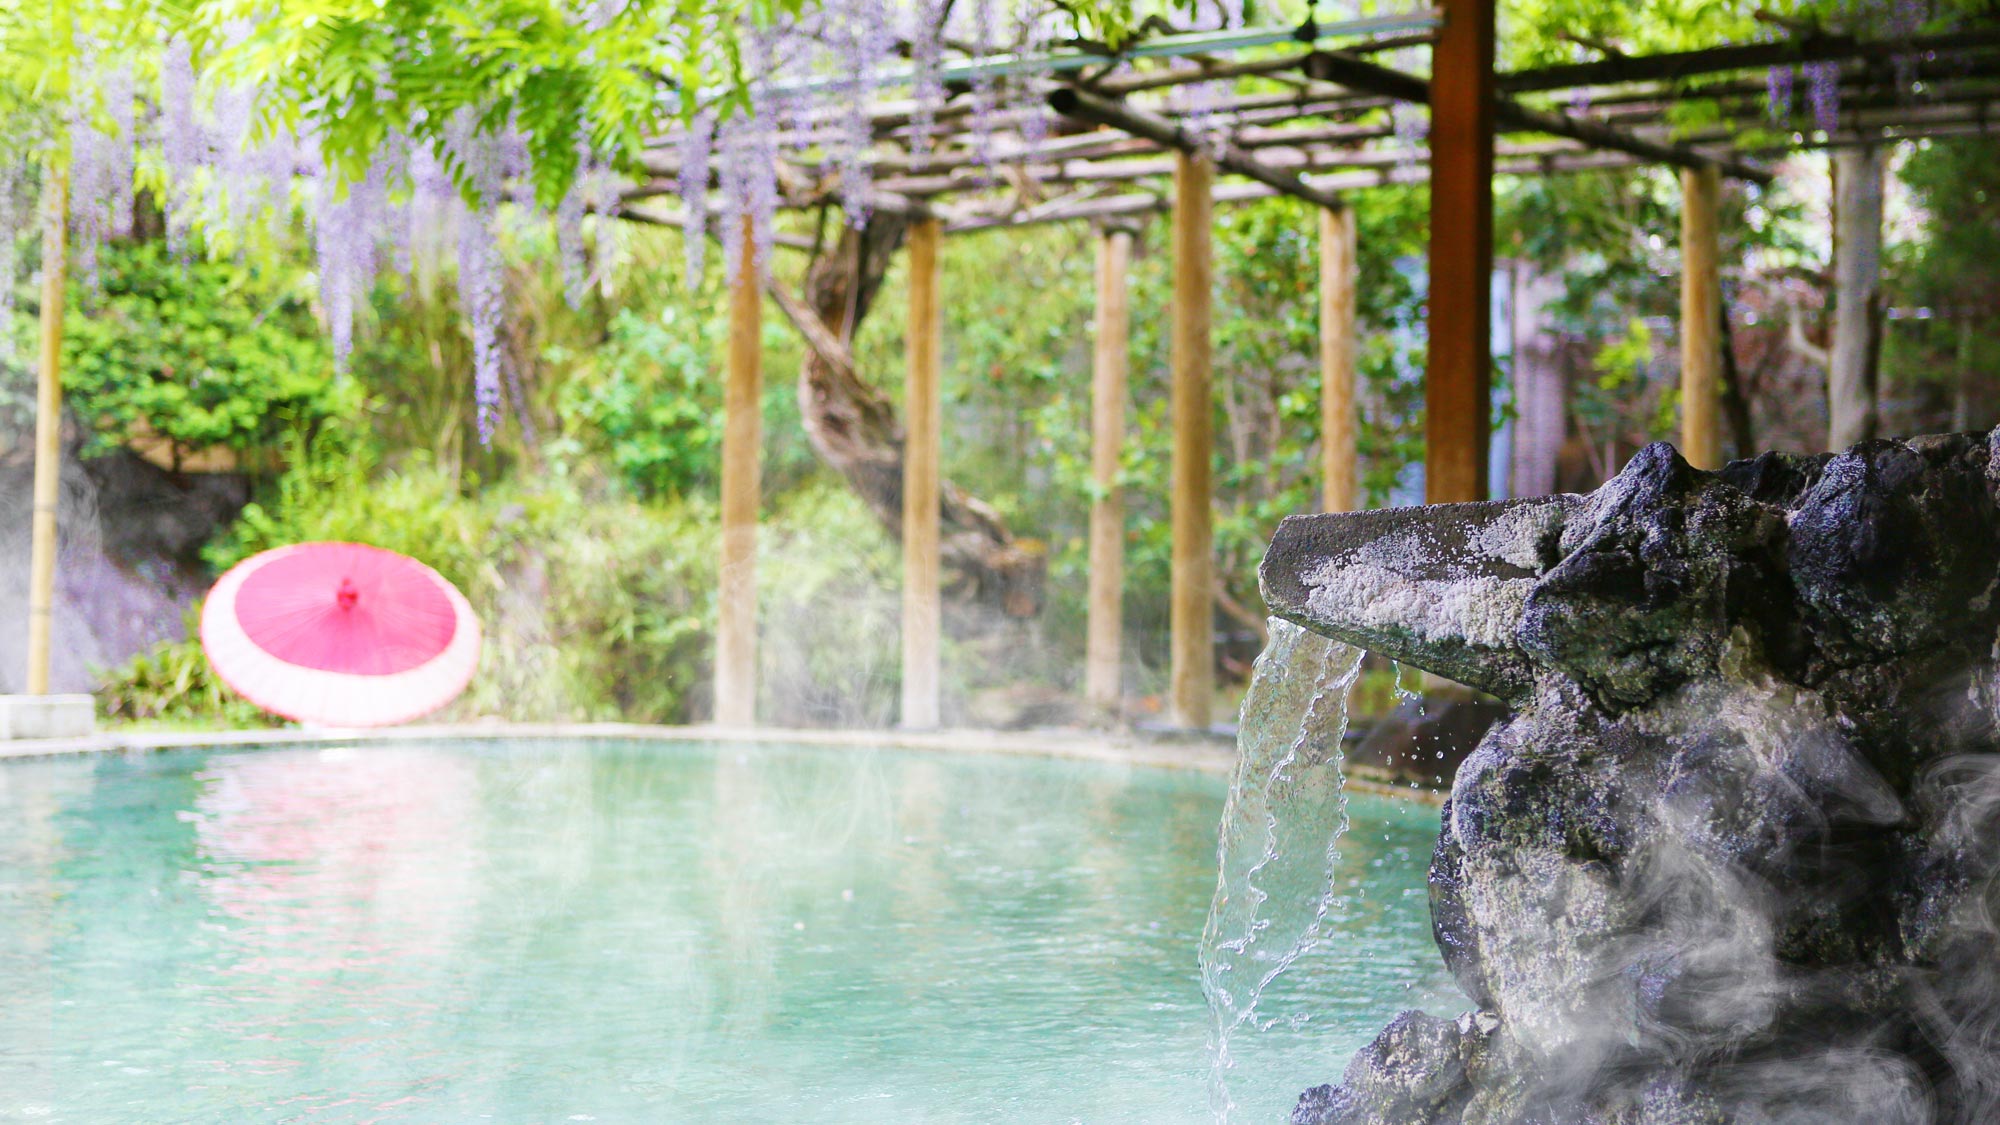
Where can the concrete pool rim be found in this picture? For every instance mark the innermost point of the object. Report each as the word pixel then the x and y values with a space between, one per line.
pixel 1196 753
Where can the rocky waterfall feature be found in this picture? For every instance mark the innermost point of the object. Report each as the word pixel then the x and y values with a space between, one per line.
pixel 1732 856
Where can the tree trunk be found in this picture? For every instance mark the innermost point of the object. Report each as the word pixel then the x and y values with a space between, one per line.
pixel 1971 400
pixel 1855 352
pixel 1735 394
pixel 853 428
pixel 1540 388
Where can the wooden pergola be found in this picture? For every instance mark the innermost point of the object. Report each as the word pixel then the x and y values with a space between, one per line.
pixel 1126 140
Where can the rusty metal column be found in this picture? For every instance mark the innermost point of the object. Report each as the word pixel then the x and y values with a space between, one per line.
pixel 923 418
pixel 742 398
pixel 1192 617
pixel 1701 319
pixel 1458 375
pixel 1102 660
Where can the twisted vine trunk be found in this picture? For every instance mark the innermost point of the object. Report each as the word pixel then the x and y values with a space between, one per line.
pixel 854 429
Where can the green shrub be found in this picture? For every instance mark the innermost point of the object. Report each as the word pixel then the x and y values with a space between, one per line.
pixel 650 398
pixel 172 684
pixel 594 605
pixel 205 353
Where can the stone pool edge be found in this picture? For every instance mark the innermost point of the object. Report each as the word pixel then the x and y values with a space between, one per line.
pixel 1201 755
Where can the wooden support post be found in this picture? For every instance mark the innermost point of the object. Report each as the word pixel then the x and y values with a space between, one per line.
pixel 1701 319
pixel 1192 617
pixel 1458 374
pixel 1337 425
pixel 742 407
pixel 1102 656
pixel 1854 352
pixel 48 429
pixel 923 418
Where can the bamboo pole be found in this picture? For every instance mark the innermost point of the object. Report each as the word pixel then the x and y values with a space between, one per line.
pixel 1340 475
pixel 923 420
pixel 742 402
pixel 1102 656
pixel 1191 620
pixel 1701 320
pixel 48 430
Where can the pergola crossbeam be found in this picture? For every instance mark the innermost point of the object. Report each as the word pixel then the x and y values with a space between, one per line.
pixel 1171 135
pixel 1510 115
pixel 1331 124
pixel 1675 66
pixel 976 166
pixel 1155 202
pixel 1294 160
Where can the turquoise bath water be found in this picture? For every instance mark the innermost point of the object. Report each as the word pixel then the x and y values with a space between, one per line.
pixel 620 932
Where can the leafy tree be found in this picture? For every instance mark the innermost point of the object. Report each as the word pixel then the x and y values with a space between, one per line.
pixel 652 400
pixel 354 73
pixel 1952 272
pixel 203 353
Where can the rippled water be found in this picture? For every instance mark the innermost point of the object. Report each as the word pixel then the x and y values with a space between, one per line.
pixel 649 932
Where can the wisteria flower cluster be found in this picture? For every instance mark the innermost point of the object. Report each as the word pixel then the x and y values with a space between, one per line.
pixel 226 173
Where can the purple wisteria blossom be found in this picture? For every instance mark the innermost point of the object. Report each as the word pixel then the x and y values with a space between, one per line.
pixel 1823 94
pixel 347 221
pixel 1778 94
pixel 696 152
pixel 15 213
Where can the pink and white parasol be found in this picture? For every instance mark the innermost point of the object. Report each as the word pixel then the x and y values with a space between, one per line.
pixel 340 634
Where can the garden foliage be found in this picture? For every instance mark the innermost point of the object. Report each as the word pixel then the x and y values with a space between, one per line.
pixel 204 352
pixel 584 530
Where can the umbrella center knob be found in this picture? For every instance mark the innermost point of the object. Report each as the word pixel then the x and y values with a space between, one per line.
pixel 347 595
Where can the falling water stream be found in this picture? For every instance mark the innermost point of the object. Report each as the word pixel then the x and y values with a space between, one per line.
pixel 1280 838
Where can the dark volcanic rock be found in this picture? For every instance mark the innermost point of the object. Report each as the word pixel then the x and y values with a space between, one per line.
pixel 1414 1070
pixel 1424 740
pixel 128 566
pixel 1733 856
pixel 1662 561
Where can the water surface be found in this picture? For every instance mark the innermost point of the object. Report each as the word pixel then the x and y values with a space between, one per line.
pixel 546 931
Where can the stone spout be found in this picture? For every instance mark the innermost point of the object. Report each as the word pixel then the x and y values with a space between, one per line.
pixel 1443 587
pixel 1734 853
